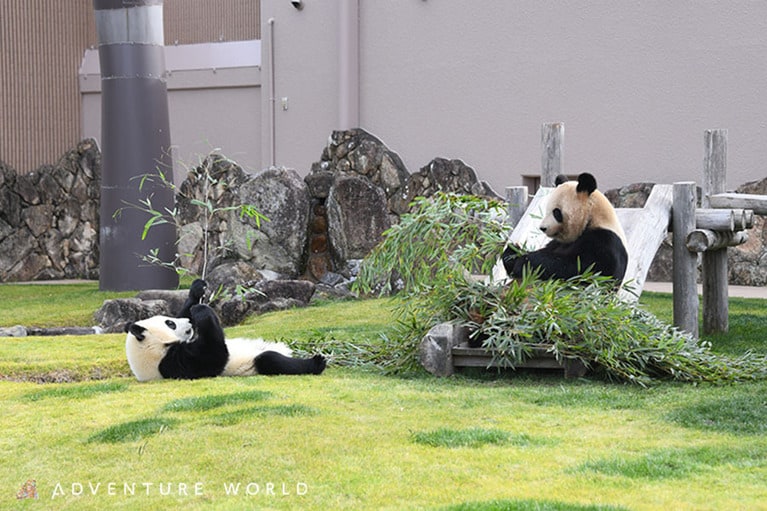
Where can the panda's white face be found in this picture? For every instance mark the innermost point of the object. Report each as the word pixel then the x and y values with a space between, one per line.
pixel 147 342
pixel 575 206
pixel 567 213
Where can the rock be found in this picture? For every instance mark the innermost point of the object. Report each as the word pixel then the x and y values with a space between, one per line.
pixel 228 276
pixel 357 217
pixel 13 331
pixel 279 304
pixel 233 312
pixel 449 176
pixel 278 245
pixel 174 299
pixel 436 350
pixel 271 290
pixel 71 330
pixel 46 218
pixel 114 314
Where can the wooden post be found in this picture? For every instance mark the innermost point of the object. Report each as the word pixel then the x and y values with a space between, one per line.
pixel 552 145
pixel 516 197
pixel 715 276
pixel 685 262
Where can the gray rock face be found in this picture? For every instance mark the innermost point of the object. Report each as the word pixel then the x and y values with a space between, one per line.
pixel 114 314
pixel 357 217
pixel 281 195
pixel 49 218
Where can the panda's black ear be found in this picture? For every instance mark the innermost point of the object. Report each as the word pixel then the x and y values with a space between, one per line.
pixel 136 331
pixel 560 179
pixel 586 183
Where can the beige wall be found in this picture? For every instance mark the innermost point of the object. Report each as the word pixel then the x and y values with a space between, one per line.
pixel 636 83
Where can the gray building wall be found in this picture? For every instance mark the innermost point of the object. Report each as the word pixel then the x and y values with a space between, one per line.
pixel 636 83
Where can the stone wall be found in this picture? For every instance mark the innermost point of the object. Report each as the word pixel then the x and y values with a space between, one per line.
pixel 49 218
pixel 317 228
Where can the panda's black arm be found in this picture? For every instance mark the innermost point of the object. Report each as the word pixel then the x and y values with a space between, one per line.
pixel 599 249
pixel 207 327
pixel 196 294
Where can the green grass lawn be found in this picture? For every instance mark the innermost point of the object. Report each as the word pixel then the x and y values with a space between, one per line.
pixel 357 439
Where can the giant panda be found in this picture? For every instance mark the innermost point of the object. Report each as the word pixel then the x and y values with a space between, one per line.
pixel 193 346
pixel 585 235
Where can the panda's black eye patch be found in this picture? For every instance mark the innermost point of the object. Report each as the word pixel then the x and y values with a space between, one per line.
pixel 170 324
pixel 557 215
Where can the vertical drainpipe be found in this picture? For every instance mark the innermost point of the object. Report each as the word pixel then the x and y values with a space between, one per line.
pixel 272 99
pixel 135 141
pixel 349 65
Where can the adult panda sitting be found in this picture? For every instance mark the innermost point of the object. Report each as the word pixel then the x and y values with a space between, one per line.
pixel 193 346
pixel 585 235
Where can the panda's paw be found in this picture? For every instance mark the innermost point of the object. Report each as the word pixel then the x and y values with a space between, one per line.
pixel 197 291
pixel 319 364
pixel 510 258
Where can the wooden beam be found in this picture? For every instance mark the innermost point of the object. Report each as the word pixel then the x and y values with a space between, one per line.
pixel 685 262
pixel 756 203
pixel 714 262
pixel 702 240
pixel 552 148
pixel 516 198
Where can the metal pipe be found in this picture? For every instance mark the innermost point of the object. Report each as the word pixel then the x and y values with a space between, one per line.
pixel 272 99
pixel 135 141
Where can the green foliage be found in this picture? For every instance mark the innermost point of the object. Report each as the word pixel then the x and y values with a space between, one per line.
pixel 435 249
pixel 208 206
pixel 444 235
pixel 582 319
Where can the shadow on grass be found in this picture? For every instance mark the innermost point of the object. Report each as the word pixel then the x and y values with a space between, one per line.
pixel 133 430
pixel 80 391
pixel 528 505
pixel 143 428
pixel 675 463
pixel 743 411
pixel 472 437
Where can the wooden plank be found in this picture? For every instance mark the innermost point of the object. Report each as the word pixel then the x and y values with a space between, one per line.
pixel 526 234
pixel 464 356
pixel 645 231
pixel 756 203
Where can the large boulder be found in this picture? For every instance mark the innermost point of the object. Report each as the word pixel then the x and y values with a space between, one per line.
pixel 278 243
pixel 442 175
pixel 114 314
pixel 747 263
pixel 357 217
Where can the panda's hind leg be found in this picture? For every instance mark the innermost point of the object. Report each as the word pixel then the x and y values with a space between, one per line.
pixel 273 363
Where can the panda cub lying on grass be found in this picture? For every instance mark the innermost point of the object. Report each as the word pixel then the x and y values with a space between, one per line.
pixel 193 346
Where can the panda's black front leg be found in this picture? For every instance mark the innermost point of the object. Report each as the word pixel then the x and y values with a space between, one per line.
pixel 196 295
pixel 206 325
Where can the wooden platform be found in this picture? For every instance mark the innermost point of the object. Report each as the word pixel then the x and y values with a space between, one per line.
pixel 465 356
